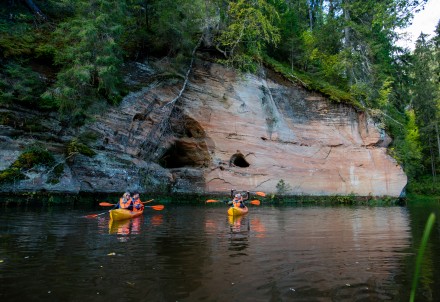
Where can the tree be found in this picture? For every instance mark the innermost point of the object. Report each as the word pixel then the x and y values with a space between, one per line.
pixel 424 97
pixel 89 55
pixel 251 25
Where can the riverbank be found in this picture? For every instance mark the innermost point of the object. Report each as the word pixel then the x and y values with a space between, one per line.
pixel 93 199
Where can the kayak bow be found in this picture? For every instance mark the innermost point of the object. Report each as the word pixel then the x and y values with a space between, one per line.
pixel 122 214
pixel 233 211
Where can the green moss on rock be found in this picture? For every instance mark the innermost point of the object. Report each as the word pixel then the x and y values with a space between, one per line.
pixel 75 146
pixel 10 175
pixel 34 156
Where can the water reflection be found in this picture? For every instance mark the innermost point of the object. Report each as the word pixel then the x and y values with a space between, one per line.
pixel 239 235
pixel 156 219
pixel 126 227
pixel 238 224
pixel 200 254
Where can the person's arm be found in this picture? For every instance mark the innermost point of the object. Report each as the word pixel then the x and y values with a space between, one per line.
pixel 247 196
pixel 116 206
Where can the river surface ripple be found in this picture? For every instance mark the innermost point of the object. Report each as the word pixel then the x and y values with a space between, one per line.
pixel 198 253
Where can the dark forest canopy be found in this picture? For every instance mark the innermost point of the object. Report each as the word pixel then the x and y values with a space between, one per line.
pixel 66 55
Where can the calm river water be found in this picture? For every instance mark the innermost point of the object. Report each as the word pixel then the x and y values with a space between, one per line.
pixel 197 253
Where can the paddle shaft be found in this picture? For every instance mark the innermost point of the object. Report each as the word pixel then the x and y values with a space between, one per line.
pixel 95 215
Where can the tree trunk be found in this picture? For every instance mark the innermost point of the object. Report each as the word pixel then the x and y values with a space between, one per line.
pixel 347 38
pixel 310 14
pixel 34 8
pixel 438 139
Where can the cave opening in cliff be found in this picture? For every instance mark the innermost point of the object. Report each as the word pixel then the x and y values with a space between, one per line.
pixel 185 153
pixel 239 161
pixel 174 157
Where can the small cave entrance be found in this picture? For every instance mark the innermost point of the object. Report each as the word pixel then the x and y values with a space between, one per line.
pixel 238 160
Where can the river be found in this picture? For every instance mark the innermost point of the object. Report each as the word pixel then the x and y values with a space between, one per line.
pixel 198 253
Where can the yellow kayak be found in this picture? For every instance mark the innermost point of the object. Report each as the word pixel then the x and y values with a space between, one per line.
pixel 233 211
pixel 122 214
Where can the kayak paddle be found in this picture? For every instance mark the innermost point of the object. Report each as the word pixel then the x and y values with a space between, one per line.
pixel 107 204
pixel 158 207
pixel 94 215
pixel 214 200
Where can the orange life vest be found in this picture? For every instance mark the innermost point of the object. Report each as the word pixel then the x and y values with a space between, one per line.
pixel 137 205
pixel 237 202
pixel 123 203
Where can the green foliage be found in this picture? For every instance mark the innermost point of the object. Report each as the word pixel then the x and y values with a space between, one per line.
pixel 76 147
pixel 428 227
pixel 173 25
pixel 20 84
pixel 90 57
pixel 54 176
pixel 33 156
pixel 251 27
pixel 16 39
pixel 282 187
pixel 406 147
pixel 343 49
pixel 10 175
pixel 312 83
pixel 426 185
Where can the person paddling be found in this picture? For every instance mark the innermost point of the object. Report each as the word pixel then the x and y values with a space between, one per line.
pixel 125 202
pixel 238 199
pixel 137 203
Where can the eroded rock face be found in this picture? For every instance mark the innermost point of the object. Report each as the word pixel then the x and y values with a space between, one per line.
pixel 256 133
pixel 288 137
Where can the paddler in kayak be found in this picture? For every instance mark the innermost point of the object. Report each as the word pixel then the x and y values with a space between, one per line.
pixel 238 199
pixel 136 202
pixel 125 202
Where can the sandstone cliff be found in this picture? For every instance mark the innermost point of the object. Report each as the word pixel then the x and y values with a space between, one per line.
pixel 248 132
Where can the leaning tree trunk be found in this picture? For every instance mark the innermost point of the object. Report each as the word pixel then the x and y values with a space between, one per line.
pixel 35 9
pixel 154 137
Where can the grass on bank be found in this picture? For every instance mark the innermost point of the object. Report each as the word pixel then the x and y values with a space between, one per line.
pixel 428 227
pixel 312 83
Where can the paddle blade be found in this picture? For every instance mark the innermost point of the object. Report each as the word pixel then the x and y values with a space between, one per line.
pixel 212 200
pixel 159 207
pixel 106 204
pixel 255 202
pixel 94 215
pixel 260 194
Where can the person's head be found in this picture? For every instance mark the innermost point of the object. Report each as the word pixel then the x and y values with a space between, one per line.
pixel 135 194
pixel 237 196
pixel 126 195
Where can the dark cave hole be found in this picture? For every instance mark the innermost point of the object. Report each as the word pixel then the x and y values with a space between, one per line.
pixel 172 158
pixel 239 161
pixel 177 156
